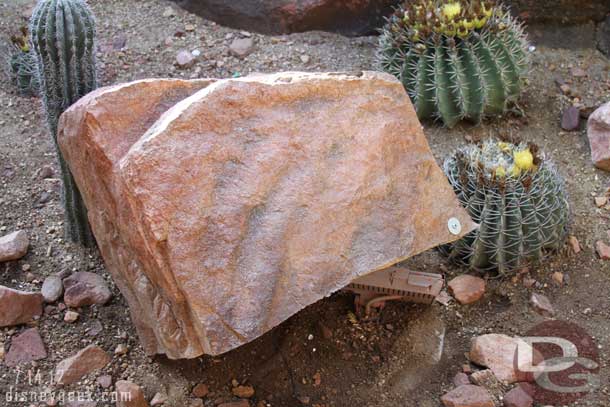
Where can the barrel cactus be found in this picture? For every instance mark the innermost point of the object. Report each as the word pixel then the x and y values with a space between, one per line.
pixel 22 64
pixel 457 59
pixel 516 196
pixel 63 37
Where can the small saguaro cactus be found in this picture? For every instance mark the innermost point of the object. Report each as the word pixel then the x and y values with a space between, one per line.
pixel 457 59
pixel 516 196
pixel 22 64
pixel 63 37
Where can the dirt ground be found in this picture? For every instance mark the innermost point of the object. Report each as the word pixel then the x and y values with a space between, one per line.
pixel 322 356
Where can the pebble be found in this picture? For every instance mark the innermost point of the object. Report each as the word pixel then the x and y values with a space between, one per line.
pixel 14 246
pixel 185 59
pixel 168 12
pixel 243 391
pixel 542 305
pixel 85 361
pixel 241 47
pixel 71 316
pixel 136 395
pixel 601 201
pixel 603 250
pixel 558 277
pixel 518 397
pixel 574 244
pixel 25 348
pixel 467 289
pixel 84 288
pixel 158 399
pixel 468 395
pixel 570 119
pixel 18 307
pixel 121 349
pixel 200 390
pixel 52 289
pixel 105 381
pixel 497 352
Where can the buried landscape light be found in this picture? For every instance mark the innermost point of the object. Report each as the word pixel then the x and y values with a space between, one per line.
pixel 222 208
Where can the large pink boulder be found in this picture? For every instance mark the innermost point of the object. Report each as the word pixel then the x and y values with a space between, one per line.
pixel 598 132
pixel 223 208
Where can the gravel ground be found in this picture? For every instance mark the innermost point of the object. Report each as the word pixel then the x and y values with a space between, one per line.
pixel 322 356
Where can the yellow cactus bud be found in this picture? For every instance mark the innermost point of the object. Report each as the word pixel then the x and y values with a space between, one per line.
pixel 451 10
pixel 506 147
pixel 479 23
pixel 500 172
pixel 515 171
pixel 524 160
pixel 469 25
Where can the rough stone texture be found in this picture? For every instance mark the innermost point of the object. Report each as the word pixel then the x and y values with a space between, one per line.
pixel 349 17
pixel 133 392
pixel 518 397
pixel 460 379
pixel 82 363
pixel 542 305
pixel 25 347
pixel 13 246
pixel 466 288
pixel 598 132
pixel 18 307
pixel 570 120
pixel 499 353
pixel 467 395
pixel 560 11
pixel 358 17
pixel 241 47
pixel 52 289
pixel 288 187
pixel 85 288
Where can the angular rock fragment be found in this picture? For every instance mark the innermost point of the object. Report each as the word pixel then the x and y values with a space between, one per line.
pixel 129 394
pixel 287 188
pixel 25 347
pixel 499 353
pixel 18 307
pixel 598 132
pixel 467 289
pixel 87 360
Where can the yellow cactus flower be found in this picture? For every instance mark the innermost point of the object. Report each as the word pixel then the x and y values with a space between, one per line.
pixel 467 24
pixel 479 23
pixel 524 160
pixel 451 10
pixel 500 172
pixel 506 147
pixel 515 171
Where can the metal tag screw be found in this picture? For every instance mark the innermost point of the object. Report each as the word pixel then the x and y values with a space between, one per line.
pixel 454 225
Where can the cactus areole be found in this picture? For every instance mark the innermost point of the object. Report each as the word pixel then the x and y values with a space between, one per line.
pixel 63 37
pixel 460 59
pixel 516 196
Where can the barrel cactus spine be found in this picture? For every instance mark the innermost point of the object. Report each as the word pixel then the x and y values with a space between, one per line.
pixel 516 196
pixel 63 38
pixel 457 59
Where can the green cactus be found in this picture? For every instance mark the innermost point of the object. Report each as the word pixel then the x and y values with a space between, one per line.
pixel 459 59
pixel 518 199
pixel 63 37
pixel 22 64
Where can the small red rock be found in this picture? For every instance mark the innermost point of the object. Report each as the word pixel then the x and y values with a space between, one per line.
pixel 517 397
pixel 158 399
pixel 25 347
pixel 468 395
pixel 558 277
pixel 603 250
pixel 244 391
pixel 598 132
pixel 13 246
pixel 84 288
pixel 71 316
pixel 497 352
pixel 82 363
pixel 201 390
pixel 542 304
pixel 460 379
pixel 104 381
pixel 467 289
pixel 135 395
pixel 570 120
pixel 18 307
